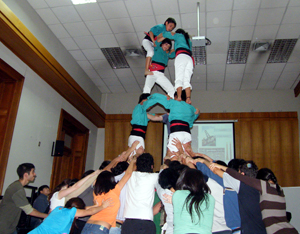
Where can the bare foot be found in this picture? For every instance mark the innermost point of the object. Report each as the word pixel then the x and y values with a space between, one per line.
pixel 188 101
pixel 179 99
pixel 148 73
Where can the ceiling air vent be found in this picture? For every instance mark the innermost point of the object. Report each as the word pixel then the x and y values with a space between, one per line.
pixel 261 46
pixel 238 52
pixel 281 50
pixel 199 54
pixel 115 57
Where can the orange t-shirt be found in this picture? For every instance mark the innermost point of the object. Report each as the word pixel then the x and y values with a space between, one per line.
pixel 109 214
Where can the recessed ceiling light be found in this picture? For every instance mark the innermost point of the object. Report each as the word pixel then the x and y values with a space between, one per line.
pixel 281 50
pixel 238 52
pixel 115 57
pixel 76 2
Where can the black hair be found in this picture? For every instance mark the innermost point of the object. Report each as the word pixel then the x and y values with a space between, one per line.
pixel 59 187
pixel 288 216
pixel 72 182
pixel 193 180
pixel 183 95
pixel 75 202
pixel 42 187
pixel 144 163
pixel 120 168
pixel 266 174
pixel 186 36
pixel 143 96
pixel 168 178
pixel 170 20
pixel 167 41
pixel 249 168
pixel 236 163
pixel 174 164
pixel 104 182
pixel 220 162
pixel 24 168
pixel 87 173
pixel 104 164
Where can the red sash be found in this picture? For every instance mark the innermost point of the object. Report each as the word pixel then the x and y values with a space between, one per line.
pixel 156 67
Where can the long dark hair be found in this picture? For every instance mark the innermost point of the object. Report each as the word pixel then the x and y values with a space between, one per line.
pixel 266 174
pixel 104 183
pixel 59 187
pixel 185 34
pixel 193 180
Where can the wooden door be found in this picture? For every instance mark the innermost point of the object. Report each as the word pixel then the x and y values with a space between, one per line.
pixel 72 163
pixel 11 84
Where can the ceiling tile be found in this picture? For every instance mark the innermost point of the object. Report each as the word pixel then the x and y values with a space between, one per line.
pixel 127 80
pixel 199 87
pixel 98 82
pixel 216 58
pixel 93 54
pixel 136 62
pixel 126 72
pixel 294 3
pixel 114 10
pixel 86 42
pixel 37 4
pixel 143 23
pixel 296 83
pixel 111 81
pixel 189 21
pixel 128 40
pixel 106 41
pixel 132 88
pixel 77 29
pixel 85 65
pixel 103 68
pixel 292 67
pixel 90 11
pixel 215 77
pixel 160 19
pixel 288 31
pixel 265 32
pixel 69 43
pixel 216 68
pixel 77 55
pixel 270 16
pixel 116 88
pixel 198 78
pixel 199 69
pixel 291 16
pixel 295 56
pixel 258 57
pixel 134 8
pixel 215 86
pixel 56 3
pixel 266 84
pixel 104 89
pixel 216 47
pixel 94 77
pixel 218 34
pixel 241 33
pixel 274 67
pixel 254 68
pixel 165 7
pixel 284 85
pixel 273 3
pixel 252 77
pixel 231 86
pixel 98 27
pixel 47 16
pixel 246 4
pixel 271 76
pixel 238 68
pixel 289 75
pixel 233 77
pixel 249 85
pixel 244 17
pixel 59 31
pixel 218 18
pixel 188 6
pixel 66 14
pixel 123 25
pixel 219 5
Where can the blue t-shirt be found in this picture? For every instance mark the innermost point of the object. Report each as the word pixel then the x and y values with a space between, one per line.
pixel 139 115
pixel 179 40
pixel 161 56
pixel 59 221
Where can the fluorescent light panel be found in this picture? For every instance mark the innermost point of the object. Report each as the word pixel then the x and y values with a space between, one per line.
pixel 238 52
pixel 76 2
pixel 115 57
pixel 199 54
pixel 281 50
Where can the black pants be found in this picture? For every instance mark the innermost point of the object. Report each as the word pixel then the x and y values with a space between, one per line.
pixel 138 226
pixel 79 224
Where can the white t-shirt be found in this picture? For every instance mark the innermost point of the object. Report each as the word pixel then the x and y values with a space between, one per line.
pixel 120 215
pixel 140 195
pixel 54 201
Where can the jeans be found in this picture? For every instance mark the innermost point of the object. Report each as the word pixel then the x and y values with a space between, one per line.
pixel 115 230
pixel 90 228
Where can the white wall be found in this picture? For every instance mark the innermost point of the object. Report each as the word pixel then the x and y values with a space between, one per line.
pixel 292 204
pixel 23 10
pixel 37 121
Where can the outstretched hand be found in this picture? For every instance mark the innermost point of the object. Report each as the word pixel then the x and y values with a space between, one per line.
pixel 107 203
pixel 167 198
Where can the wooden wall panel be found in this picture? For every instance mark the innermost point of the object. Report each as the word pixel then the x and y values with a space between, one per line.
pixel 270 139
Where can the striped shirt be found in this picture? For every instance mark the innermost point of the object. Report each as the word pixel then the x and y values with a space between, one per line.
pixel 272 204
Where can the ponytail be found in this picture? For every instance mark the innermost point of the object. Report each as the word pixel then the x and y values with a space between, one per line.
pixel 186 36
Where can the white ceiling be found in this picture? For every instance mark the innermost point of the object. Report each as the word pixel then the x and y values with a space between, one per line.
pixel 84 29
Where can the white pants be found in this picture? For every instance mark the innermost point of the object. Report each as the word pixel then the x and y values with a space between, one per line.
pixel 183 137
pixel 132 139
pixel 160 79
pixel 183 71
pixel 148 46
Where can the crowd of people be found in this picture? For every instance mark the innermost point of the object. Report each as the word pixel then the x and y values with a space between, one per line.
pixel 197 194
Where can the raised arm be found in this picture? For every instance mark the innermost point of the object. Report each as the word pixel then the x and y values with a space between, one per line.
pixel 128 173
pixel 203 165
